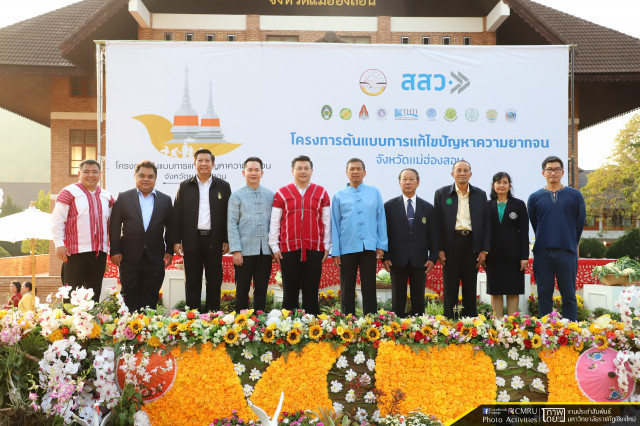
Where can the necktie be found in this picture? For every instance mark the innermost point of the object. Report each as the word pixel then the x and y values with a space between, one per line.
pixel 410 212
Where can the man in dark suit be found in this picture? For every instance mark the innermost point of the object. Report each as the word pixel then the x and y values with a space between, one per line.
pixel 411 230
pixel 464 238
pixel 200 230
pixel 139 238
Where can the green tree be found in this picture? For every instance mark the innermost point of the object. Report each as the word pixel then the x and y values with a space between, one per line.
pixel 616 184
pixel 42 246
pixel 9 207
pixel 592 248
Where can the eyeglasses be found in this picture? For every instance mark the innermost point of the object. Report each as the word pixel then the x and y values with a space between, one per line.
pixel 556 170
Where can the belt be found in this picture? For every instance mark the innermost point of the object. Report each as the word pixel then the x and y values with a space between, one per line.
pixel 463 232
pixel 203 232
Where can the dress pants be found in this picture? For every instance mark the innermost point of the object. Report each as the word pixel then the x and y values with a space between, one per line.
pixel 367 262
pixel 141 282
pixel 211 259
pixel 417 281
pixel 258 268
pixel 85 270
pixel 297 275
pixel 460 265
pixel 550 265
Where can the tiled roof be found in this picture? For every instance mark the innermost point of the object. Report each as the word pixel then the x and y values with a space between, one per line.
pixel 36 41
pixel 599 49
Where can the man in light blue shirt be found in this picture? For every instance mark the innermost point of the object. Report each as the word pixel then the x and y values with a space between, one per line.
pixel 248 218
pixel 359 237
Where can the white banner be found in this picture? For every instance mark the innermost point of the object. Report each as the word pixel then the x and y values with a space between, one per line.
pixel 394 106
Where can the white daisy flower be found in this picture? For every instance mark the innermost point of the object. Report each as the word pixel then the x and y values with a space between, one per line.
pixel 350 396
pixel 501 364
pixel 247 354
pixel 248 390
pixel 337 407
pixel 239 368
pixel 542 367
pixel 371 364
pixel 342 362
pixel 537 384
pixel 351 375
pixel 513 354
pixel 524 399
pixel 266 357
pixel 517 382
pixel 370 398
pixel 359 358
pixel 503 396
pixel 336 386
pixel 255 374
pixel 500 381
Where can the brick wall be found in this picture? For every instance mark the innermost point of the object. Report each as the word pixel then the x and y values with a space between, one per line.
pixel 21 265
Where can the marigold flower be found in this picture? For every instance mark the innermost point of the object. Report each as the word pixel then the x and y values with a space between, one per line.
pixel 154 342
pixel 55 336
pixel 95 331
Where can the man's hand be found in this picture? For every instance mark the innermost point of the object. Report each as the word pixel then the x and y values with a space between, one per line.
pixel 481 260
pixel 379 254
pixel 524 264
pixel 441 257
pixel 386 265
pixel 429 265
pixel 237 258
pixel 168 258
pixel 62 253
pixel 225 248
pixel 277 257
pixel 177 249
pixel 116 259
pixel 336 261
pixel 326 255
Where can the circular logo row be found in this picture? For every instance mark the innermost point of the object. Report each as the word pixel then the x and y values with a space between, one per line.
pixel 450 114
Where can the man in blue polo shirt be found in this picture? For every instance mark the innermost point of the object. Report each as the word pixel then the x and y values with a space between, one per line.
pixel 359 237
pixel 557 215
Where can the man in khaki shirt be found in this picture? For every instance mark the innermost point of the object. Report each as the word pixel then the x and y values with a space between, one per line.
pixel 464 238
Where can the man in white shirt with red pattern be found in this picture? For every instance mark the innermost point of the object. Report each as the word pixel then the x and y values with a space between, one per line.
pixel 79 225
pixel 300 236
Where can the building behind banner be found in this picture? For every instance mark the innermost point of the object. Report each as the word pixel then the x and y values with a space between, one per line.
pixel 47 63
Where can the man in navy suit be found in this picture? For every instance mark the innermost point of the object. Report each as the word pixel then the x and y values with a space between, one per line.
pixel 138 232
pixel 411 230
pixel 464 238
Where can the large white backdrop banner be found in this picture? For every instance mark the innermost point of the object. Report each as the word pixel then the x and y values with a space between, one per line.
pixel 425 107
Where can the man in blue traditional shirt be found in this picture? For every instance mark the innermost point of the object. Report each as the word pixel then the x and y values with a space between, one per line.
pixel 359 237
pixel 248 217
pixel 557 215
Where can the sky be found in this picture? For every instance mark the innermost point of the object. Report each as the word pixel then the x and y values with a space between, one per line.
pixel 595 143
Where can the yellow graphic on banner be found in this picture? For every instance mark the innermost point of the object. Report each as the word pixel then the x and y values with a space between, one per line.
pixel 187 134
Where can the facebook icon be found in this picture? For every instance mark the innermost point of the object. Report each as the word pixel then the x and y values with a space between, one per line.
pixel 485 411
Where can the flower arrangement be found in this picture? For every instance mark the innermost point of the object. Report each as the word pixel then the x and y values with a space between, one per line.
pixel 623 267
pixel 345 362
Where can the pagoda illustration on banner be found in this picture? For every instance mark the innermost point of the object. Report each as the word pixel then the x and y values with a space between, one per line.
pixel 187 134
